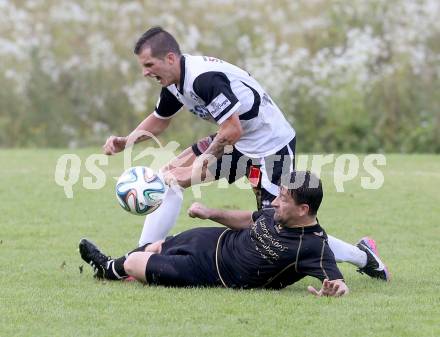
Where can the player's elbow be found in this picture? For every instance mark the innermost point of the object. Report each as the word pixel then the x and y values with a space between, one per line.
pixel 161 126
pixel 155 125
pixel 231 134
pixel 233 138
pixel 236 134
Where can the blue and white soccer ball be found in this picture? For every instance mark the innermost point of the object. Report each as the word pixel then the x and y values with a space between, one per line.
pixel 140 190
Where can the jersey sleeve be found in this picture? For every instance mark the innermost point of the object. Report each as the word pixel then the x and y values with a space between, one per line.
pixel 215 89
pixel 167 105
pixel 319 262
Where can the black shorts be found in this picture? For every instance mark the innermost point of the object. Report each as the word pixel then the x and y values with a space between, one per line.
pixel 186 260
pixel 263 173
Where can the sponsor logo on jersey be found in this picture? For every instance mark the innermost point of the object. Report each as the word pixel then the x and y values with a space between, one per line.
pixel 211 59
pixel 201 111
pixel 218 105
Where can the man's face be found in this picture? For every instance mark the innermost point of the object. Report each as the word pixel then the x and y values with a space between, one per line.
pixel 162 70
pixel 287 211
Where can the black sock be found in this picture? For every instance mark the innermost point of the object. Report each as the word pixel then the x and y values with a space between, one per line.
pixel 115 269
pixel 118 267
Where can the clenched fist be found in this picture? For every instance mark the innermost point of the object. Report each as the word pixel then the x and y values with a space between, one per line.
pixel 198 210
pixel 114 145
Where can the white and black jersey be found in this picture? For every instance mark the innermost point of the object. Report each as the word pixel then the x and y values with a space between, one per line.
pixel 213 90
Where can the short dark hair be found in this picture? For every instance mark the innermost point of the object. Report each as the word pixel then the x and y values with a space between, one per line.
pixel 305 188
pixel 159 41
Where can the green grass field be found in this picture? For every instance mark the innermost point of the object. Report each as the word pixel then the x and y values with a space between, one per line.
pixel 42 292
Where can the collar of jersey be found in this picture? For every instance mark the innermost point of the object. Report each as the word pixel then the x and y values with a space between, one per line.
pixel 182 74
pixel 308 229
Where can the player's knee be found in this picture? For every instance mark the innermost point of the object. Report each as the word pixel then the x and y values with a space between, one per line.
pixel 155 247
pixel 136 263
pixel 129 264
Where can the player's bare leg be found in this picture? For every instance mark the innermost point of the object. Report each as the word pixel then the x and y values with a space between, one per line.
pixel 131 264
pixel 136 264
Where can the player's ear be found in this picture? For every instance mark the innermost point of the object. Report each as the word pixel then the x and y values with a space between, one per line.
pixel 171 58
pixel 304 209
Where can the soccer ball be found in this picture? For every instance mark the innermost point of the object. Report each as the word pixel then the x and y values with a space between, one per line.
pixel 139 190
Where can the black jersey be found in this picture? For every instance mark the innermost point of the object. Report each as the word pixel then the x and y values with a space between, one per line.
pixel 265 256
pixel 272 256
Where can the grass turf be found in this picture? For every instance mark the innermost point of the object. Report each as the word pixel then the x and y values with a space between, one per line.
pixel 42 292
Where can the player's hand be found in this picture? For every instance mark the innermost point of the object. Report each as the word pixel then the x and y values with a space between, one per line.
pixel 169 178
pixel 334 288
pixel 114 145
pixel 180 176
pixel 198 210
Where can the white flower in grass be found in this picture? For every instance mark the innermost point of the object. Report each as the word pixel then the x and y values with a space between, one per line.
pixel 124 67
pixel 49 66
pixel 137 95
pixel 130 8
pixel 192 38
pixel 71 63
pixel 99 101
pixel 69 130
pixel 244 44
pixel 101 52
pixel 9 48
pixel 100 128
pixel 33 4
pixel 68 12
pixel 314 24
pixel 10 74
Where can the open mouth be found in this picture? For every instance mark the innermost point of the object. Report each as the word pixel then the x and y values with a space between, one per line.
pixel 157 78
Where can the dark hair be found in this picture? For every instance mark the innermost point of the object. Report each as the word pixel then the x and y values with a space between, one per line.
pixel 159 41
pixel 305 188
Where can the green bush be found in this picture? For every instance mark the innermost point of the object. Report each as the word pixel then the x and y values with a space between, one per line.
pixel 350 75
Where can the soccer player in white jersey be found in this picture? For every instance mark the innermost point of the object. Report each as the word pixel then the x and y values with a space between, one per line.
pixel 253 139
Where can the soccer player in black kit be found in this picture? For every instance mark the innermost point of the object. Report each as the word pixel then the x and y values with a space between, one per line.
pixel 270 248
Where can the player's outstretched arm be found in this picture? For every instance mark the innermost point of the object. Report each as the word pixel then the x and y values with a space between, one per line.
pixel 334 288
pixel 234 219
pixel 151 125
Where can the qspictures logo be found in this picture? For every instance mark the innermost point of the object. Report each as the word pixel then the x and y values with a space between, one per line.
pixel 342 168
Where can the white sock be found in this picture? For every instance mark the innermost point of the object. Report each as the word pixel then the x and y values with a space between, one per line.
pixel 158 224
pixel 345 252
